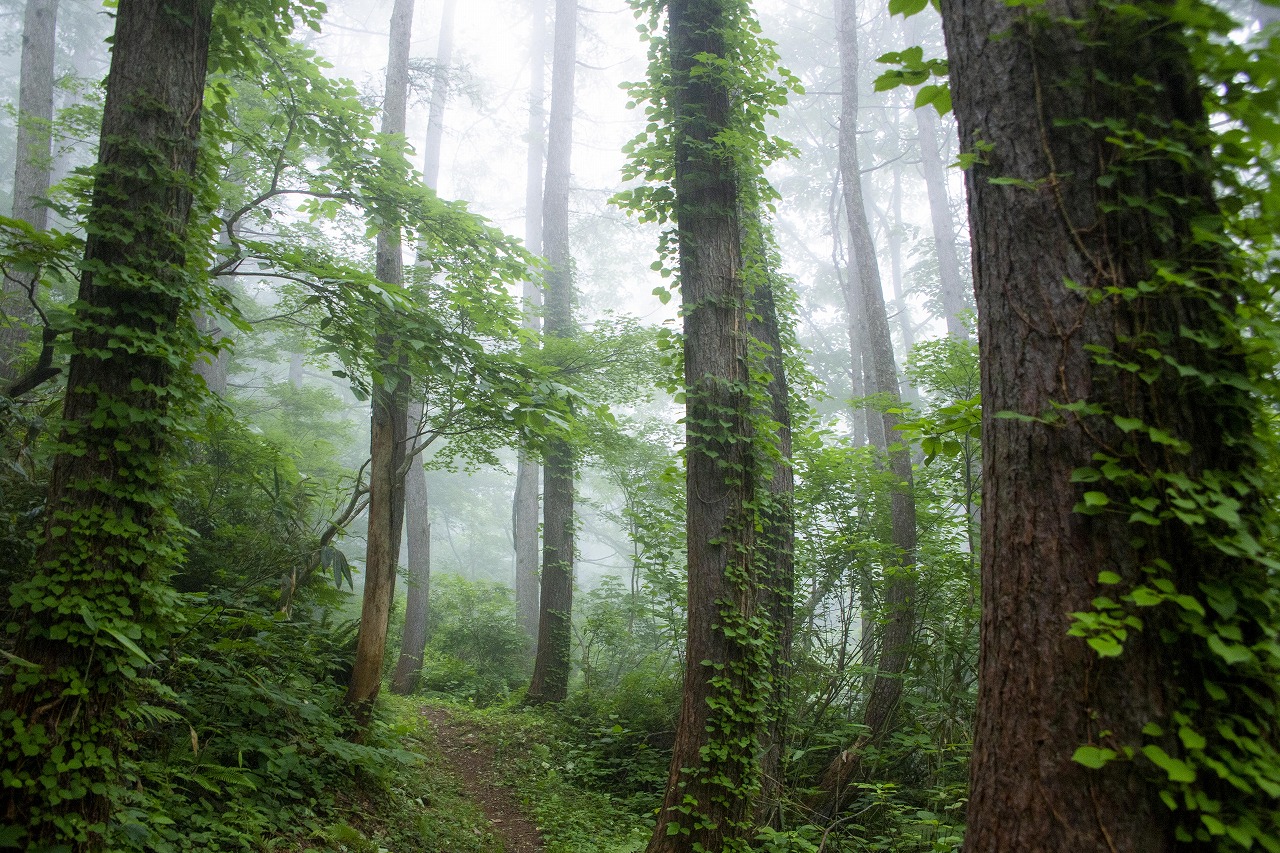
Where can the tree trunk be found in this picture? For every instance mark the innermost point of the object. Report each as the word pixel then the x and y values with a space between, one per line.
pixel 33 153
pixel 551 665
pixel 777 555
pixel 714 777
pixel 944 233
pixel 416 497
pixel 387 423
pixel 417 606
pixel 525 509
pixel 1031 90
pixel 895 634
pixel 108 539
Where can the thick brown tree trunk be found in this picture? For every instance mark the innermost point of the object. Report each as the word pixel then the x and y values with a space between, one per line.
pixel 551 665
pixel 32 173
pixel 525 510
pixel 108 543
pixel 895 634
pixel 387 423
pixel 713 784
pixel 1057 243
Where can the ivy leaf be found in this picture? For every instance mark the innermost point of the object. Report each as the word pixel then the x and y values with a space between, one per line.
pixel 1178 770
pixel 907 8
pixel 1093 757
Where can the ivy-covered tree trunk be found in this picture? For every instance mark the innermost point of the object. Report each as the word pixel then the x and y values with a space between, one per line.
pixel 714 782
pixel 896 631
pixel 417 499
pixel 1119 470
pixel 551 665
pixel 96 603
pixel 776 554
pixel 524 519
pixel 31 173
pixel 390 402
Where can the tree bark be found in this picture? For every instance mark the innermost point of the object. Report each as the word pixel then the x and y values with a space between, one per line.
pixel 1031 89
pixel 32 173
pixel 108 542
pixel 387 423
pixel 777 548
pixel 404 680
pixel 944 233
pixel 551 665
pixel 709 801
pixel 525 510
pixel 895 634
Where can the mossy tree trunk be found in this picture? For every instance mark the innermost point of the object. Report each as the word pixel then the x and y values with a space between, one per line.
pixel 97 601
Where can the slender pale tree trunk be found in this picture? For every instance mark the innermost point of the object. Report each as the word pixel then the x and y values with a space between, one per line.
pixel 894 637
pixel 944 232
pixel 551 666
pixel 108 544
pixel 416 496
pixel 387 422
pixel 32 172
pixel 525 510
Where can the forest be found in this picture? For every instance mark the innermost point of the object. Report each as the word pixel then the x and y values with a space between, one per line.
pixel 678 426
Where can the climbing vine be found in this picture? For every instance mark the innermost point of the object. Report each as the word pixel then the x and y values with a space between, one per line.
pixel 713 81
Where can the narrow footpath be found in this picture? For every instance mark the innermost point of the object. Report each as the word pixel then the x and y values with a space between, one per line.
pixel 472 761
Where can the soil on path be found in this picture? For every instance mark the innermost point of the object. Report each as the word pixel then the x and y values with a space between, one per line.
pixel 473 762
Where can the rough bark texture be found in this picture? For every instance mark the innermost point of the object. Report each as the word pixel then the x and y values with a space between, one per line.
pixel 944 232
pixel 416 497
pixel 777 547
pixel 1019 86
pixel 387 422
pixel 550 681
pixel 104 500
pixel 525 510
pixel 708 799
pixel 31 175
pixel 895 634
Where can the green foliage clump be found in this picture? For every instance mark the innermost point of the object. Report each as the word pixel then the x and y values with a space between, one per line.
pixel 476 650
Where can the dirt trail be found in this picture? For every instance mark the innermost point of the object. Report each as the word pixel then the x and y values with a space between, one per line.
pixel 473 762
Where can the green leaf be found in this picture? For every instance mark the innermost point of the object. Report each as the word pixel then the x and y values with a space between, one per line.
pixel 1106 646
pixel 1178 770
pixel 128 644
pixel 1096 499
pixel 907 8
pixel 1109 578
pixel 1093 757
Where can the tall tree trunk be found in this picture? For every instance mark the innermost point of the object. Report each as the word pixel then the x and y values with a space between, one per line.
pixel 108 541
pixel 387 423
pixel 944 233
pixel 777 556
pixel 525 509
pixel 416 496
pixel 551 665
pixel 1045 93
pixel 33 153
pixel 894 637
pixel 709 801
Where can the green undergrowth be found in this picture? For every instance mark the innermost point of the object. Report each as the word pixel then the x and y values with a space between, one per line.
pixel 566 776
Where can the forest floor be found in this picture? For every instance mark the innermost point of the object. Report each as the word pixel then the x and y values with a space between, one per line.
pixel 473 761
